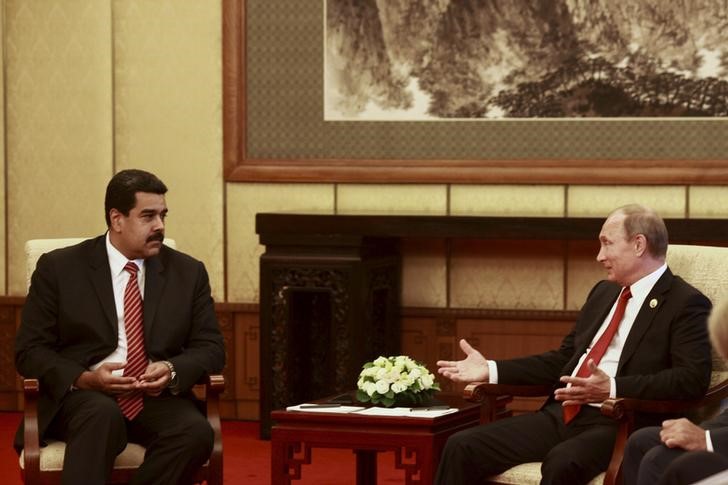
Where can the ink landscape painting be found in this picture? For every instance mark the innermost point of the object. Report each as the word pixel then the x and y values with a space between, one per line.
pixel 409 60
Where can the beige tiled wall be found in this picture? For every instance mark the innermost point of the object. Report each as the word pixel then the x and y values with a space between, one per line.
pixel 167 106
pixel 58 122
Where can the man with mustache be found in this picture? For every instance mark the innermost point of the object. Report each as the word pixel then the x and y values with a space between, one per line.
pixel 641 333
pixel 118 329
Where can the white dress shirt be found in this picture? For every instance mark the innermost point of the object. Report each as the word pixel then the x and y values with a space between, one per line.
pixel 119 279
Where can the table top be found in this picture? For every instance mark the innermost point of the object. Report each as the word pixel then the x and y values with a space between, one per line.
pixel 467 411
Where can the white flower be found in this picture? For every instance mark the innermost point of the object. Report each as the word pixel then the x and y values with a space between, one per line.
pixel 382 386
pixel 398 387
pixel 401 375
pixel 370 388
pixel 427 381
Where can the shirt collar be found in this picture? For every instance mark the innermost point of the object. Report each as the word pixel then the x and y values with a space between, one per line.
pixel 642 287
pixel 117 261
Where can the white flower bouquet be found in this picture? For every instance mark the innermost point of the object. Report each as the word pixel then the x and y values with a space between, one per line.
pixel 398 380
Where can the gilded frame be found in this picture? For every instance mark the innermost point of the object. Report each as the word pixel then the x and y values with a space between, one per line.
pixel 653 167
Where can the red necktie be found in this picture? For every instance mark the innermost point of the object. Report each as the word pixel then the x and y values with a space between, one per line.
pixel 136 357
pixel 597 352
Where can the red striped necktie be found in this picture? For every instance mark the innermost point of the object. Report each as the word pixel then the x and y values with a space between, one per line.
pixel 597 352
pixel 136 356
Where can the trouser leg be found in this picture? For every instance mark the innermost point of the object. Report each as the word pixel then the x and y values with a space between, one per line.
pixel 473 454
pixel 94 430
pixel 177 437
pixel 584 454
pixel 693 466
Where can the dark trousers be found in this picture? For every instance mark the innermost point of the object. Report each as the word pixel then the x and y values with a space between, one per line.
pixel 647 461
pixel 176 435
pixel 572 454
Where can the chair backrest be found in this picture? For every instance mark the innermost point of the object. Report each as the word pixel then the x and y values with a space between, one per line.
pixel 34 248
pixel 706 268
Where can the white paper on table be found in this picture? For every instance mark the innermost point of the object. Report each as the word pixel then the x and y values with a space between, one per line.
pixel 323 409
pixel 408 412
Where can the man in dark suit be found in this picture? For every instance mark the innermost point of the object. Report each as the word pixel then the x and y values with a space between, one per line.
pixel 679 451
pixel 112 368
pixel 641 333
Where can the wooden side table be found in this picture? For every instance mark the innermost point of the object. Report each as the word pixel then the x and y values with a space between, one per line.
pixel 417 442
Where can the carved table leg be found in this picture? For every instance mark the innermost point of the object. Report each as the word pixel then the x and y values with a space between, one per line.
pixel 366 467
pixel 286 461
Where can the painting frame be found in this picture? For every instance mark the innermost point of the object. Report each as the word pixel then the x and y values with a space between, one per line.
pixel 239 165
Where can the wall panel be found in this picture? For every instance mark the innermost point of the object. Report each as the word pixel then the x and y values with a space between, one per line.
pixel 3 235
pixel 58 113
pixel 168 114
pixel 507 200
pixel 596 201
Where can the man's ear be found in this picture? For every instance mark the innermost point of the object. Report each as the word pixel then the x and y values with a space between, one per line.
pixel 115 218
pixel 640 244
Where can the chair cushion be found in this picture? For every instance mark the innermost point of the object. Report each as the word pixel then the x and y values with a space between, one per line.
pixel 51 456
pixel 529 474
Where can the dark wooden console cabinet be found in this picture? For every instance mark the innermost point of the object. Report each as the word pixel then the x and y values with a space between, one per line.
pixel 330 286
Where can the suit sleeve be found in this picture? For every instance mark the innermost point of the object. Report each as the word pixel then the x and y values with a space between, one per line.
pixel 718 427
pixel 204 352
pixel 36 343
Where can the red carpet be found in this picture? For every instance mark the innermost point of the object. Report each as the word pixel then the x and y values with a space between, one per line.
pixel 246 458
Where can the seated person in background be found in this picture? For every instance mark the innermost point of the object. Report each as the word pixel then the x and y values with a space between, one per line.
pixel 118 329
pixel 642 333
pixel 682 452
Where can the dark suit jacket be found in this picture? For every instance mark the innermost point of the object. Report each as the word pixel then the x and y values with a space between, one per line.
pixel 69 319
pixel 666 355
pixel 718 427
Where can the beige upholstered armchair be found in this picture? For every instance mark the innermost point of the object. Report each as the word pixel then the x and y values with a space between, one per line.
pixel 43 465
pixel 706 268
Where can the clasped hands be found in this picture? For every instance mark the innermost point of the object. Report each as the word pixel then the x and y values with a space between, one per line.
pixel 582 390
pixel 152 382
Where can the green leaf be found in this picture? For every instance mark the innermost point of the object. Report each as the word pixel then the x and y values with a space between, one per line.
pixel 362 396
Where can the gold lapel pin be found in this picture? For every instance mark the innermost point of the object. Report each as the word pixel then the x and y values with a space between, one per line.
pixel 653 303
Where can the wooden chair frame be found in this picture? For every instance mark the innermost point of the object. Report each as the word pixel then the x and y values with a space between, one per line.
pixel 209 388
pixel 495 397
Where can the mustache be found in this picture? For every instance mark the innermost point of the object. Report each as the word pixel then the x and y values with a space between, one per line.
pixel 157 236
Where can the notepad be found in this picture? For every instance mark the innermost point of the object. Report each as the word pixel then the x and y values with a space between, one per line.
pixel 406 412
pixel 315 408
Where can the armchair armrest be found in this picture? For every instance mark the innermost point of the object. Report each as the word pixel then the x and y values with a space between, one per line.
pixel 31 438
pixel 212 386
pixel 495 397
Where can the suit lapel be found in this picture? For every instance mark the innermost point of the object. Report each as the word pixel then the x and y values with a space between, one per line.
pixel 645 316
pixel 153 285
pixel 101 279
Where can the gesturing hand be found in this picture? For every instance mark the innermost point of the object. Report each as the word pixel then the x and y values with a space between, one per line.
pixel 473 368
pixel 583 390
pixel 681 433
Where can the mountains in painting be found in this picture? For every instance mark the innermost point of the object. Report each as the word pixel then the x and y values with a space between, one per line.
pixel 420 59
